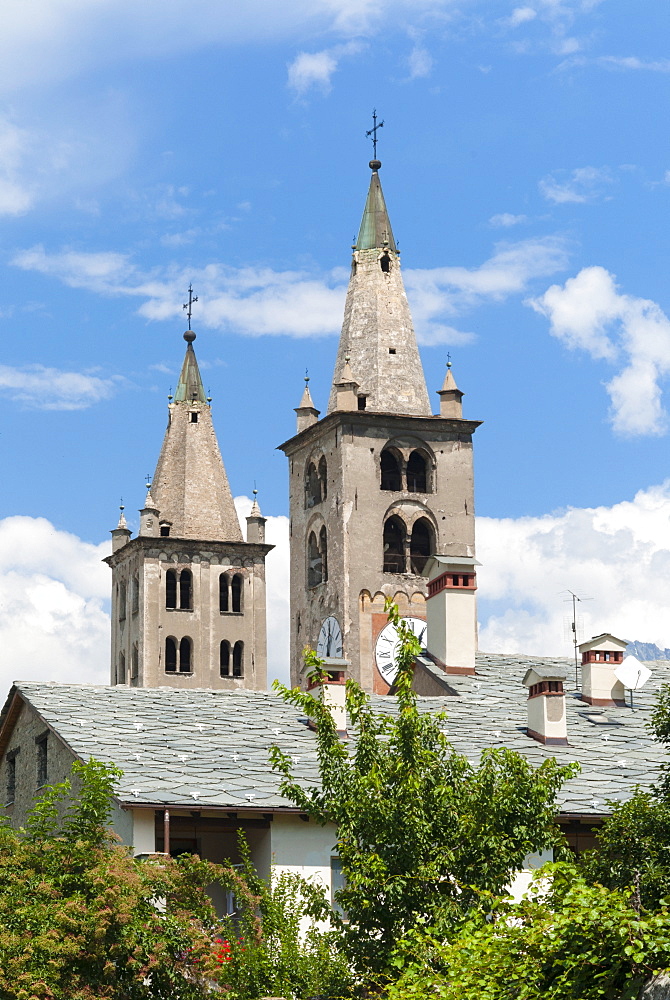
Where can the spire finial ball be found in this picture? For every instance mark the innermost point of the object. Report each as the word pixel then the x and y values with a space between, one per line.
pixel 189 336
pixel 375 164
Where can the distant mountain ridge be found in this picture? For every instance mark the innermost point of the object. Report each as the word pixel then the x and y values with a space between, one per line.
pixel 647 651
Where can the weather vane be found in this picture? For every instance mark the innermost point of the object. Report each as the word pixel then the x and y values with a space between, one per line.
pixel 373 132
pixel 188 306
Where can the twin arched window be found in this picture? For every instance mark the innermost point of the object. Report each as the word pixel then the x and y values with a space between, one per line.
pixel 179 590
pixel 231 593
pixel 402 547
pixel 317 557
pixel 413 474
pixel 316 482
pixel 178 655
pixel 231 658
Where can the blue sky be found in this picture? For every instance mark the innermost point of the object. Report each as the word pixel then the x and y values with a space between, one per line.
pixel 527 173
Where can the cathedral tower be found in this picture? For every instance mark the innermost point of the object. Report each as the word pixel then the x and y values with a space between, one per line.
pixel 379 484
pixel 188 593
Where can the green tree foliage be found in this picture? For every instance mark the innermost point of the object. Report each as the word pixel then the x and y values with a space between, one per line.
pixel 81 919
pixel 271 945
pixel 420 828
pixel 568 941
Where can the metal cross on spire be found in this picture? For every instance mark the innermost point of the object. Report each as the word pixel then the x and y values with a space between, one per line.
pixel 373 132
pixel 188 306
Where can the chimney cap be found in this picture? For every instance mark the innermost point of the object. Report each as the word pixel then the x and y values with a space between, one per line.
pixel 545 672
pixel 600 641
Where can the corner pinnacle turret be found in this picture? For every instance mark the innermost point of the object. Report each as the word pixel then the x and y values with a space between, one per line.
pixel 377 332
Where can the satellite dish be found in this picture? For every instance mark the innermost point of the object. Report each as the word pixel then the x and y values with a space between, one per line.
pixel 632 674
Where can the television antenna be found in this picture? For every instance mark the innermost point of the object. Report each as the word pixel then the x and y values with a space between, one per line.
pixel 576 623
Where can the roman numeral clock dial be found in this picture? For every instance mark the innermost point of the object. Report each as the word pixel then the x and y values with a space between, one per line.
pixel 388 644
pixel 329 643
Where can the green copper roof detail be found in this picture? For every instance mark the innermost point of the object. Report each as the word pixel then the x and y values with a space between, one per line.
pixel 190 387
pixel 375 232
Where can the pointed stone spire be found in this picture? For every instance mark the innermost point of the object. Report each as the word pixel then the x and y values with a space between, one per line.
pixel 190 486
pixel 377 332
pixel 149 515
pixel 450 396
pixel 307 413
pixel 375 231
pixel 190 387
pixel 121 533
pixel 255 522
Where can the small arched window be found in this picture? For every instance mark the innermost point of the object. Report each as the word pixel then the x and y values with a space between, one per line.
pixel 421 545
pixel 236 593
pixel 385 263
pixel 238 659
pixel 170 655
pixel 224 658
pixel 323 549
pixel 185 650
pixel 391 475
pixel 323 477
pixel 171 589
pixel 394 545
pixel 314 563
pixel 186 590
pixel 134 666
pixel 417 473
pixel 224 603
pixel 312 486
pixel 123 597
pixel 135 595
pixel 121 672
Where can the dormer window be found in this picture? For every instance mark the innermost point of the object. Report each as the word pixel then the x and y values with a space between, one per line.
pixel 385 263
pixel 362 402
pixel 194 417
pixel 165 529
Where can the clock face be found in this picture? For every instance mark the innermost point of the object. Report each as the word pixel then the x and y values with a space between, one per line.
pixel 386 646
pixel 330 638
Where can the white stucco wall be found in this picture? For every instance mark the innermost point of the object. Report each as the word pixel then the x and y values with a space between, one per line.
pixel 519 884
pixel 301 847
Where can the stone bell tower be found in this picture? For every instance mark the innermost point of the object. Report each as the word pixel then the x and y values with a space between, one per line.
pixel 379 484
pixel 188 593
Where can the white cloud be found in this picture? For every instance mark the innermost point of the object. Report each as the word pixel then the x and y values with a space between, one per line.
pixel 420 62
pixel 277 594
pixel 520 15
pixel 589 313
pixel 314 69
pixel 505 219
pixel 46 41
pixel 53 625
pixel 42 388
pixel 452 291
pixel 257 301
pixel 15 197
pixel 585 184
pixel 619 556
pixel 621 63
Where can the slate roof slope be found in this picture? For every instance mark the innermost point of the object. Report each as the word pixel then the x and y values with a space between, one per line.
pixel 211 747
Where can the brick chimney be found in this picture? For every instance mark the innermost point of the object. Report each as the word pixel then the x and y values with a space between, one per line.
pixel 546 704
pixel 601 655
pixel 452 612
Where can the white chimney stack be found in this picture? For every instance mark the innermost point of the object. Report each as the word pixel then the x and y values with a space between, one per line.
pixel 332 691
pixel 546 704
pixel 452 612
pixel 601 656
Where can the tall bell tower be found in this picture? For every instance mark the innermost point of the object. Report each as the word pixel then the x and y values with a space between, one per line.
pixel 379 484
pixel 188 593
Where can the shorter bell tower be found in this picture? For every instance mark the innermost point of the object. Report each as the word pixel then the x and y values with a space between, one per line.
pixel 188 593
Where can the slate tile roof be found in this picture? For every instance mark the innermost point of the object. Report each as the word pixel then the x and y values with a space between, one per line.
pixel 211 747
